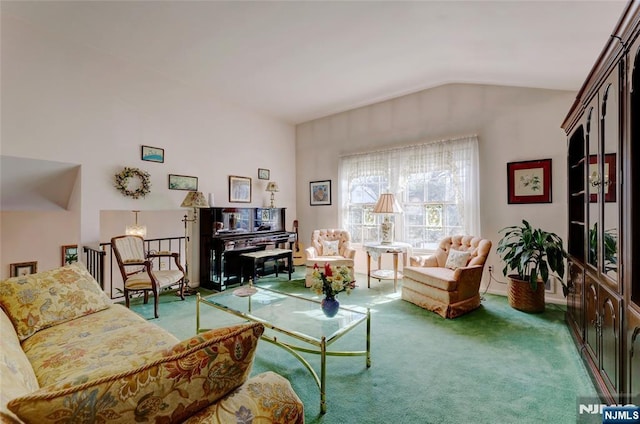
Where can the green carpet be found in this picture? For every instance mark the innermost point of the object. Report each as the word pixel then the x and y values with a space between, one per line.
pixel 494 365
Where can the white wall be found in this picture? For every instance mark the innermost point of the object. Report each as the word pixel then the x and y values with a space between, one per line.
pixel 64 101
pixel 513 124
pixel 67 102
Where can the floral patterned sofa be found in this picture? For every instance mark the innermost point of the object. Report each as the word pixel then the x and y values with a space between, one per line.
pixel 69 355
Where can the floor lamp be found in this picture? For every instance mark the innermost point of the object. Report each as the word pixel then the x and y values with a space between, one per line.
pixel 195 200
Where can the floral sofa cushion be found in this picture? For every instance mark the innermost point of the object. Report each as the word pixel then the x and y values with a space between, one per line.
pixel 38 301
pixel 172 386
pixel 16 373
pixel 96 345
pixel 265 399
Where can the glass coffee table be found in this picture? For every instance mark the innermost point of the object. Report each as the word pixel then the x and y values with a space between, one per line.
pixel 296 319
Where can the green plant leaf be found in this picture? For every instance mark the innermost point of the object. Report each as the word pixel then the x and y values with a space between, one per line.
pixel 532 253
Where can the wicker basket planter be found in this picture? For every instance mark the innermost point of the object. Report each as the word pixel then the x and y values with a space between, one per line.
pixel 523 298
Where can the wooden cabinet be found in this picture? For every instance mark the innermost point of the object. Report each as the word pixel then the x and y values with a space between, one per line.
pixel 630 241
pixel 575 306
pixel 602 341
pixel 603 303
pixel 632 356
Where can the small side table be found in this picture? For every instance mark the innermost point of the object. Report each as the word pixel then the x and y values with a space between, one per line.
pixel 376 250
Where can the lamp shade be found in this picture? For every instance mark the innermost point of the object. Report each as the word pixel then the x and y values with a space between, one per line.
pixel 136 229
pixel 272 186
pixel 195 199
pixel 387 203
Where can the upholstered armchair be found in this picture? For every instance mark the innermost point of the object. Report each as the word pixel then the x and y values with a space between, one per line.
pixel 138 273
pixel 447 282
pixel 329 246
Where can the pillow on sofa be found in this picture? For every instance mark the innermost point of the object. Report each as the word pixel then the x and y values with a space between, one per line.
pixel 330 248
pixel 456 259
pixel 172 386
pixel 37 301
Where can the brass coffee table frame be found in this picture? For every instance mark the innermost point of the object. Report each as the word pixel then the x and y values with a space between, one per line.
pixel 320 345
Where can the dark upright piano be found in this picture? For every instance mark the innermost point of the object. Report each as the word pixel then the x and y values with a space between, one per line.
pixel 226 233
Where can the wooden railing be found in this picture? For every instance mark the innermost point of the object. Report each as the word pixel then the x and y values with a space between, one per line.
pixel 102 264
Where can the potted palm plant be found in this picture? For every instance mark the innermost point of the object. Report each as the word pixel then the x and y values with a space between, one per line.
pixel 534 255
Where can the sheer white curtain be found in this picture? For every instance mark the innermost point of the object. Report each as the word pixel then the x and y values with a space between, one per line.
pixel 457 156
pixel 440 176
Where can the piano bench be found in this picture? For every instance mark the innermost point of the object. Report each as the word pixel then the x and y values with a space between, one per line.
pixel 254 259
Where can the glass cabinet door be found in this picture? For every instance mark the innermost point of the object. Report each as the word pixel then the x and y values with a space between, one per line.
pixel 593 189
pixel 610 137
pixel 576 164
pixel 632 169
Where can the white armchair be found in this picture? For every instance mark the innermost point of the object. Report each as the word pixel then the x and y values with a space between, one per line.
pixel 448 282
pixel 329 246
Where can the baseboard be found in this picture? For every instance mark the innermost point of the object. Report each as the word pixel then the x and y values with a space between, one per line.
pixel 550 300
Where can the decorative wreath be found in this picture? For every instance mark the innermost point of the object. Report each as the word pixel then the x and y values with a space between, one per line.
pixel 143 186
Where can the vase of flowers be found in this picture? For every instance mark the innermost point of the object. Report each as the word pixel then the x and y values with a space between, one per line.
pixel 330 281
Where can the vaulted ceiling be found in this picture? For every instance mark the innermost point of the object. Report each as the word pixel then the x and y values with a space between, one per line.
pixel 300 60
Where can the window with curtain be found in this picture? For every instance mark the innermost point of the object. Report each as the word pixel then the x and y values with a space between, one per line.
pixel 436 183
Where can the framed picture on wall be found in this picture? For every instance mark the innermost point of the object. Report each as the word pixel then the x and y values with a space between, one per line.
pixel 183 182
pixel 23 268
pixel 264 174
pixel 320 193
pixel 69 254
pixel 152 154
pixel 239 189
pixel 529 181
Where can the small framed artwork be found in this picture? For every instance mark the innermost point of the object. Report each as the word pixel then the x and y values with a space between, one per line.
pixel 69 254
pixel 529 181
pixel 183 182
pixel 264 174
pixel 609 179
pixel 239 189
pixel 23 268
pixel 320 193
pixel 152 154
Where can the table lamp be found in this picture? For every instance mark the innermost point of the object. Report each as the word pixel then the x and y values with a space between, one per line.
pixel 387 205
pixel 272 187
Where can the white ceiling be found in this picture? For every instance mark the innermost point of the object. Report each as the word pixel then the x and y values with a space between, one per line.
pixel 301 60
